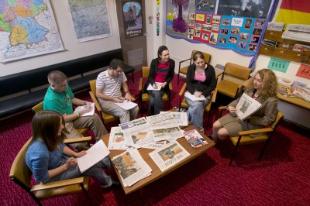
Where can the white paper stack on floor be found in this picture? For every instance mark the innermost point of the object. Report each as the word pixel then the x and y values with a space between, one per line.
pixel 131 167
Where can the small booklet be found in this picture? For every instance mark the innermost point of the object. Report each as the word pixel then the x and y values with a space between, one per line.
pixel 89 107
pixel 157 86
pixel 246 106
pixel 93 155
pixel 127 105
pixel 194 138
pixel 193 97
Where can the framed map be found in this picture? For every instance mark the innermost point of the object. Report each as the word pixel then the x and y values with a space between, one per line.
pixel 27 29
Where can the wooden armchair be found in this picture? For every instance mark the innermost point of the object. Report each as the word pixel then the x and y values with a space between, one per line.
pixel 183 104
pixel 255 136
pixel 21 175
pixel 232 79
pixel 39 107
pixel 144 96
pixel 184 67
pixel 106 117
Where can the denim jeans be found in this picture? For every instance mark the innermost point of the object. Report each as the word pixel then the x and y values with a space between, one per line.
pixel 156 101
pixel 195 111
pixel 96 171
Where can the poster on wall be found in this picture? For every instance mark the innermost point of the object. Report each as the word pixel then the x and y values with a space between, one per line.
pixel 90 19
pixel 27 29
pixel 132 18
pixel 202 23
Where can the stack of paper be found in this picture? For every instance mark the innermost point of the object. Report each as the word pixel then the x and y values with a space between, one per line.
pixel 90 108
pixel 193 97
pixel 127 105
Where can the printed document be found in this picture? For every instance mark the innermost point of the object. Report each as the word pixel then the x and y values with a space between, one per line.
pixel 246 106
pixel 193 97
pixel 127 105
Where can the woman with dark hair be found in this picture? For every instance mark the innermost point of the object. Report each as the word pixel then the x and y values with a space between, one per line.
pixel 50 160
pixel 161 73
pixel 200 82
pixel 263 88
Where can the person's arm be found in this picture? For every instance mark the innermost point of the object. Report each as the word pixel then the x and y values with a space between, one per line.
pixel 100 92
pixel 189 78
pixel 170 72
pixel 212 84
pixel 127 95
pixel 78 102
pixel 270 114
pixel 71 153
pixel 152 71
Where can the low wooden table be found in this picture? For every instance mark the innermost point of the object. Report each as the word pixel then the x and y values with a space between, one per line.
pixel 156 173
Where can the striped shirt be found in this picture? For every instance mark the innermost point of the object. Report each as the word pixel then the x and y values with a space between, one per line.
pixel 110 86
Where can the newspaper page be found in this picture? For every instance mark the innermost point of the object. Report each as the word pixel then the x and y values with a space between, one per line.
pixel 246 106
pixel 131 167
pixel 169 156
pixel 90 108
pixel 194 138
pixel 180 117
pixel 134 125
pixel 171 133
pixel 156 144
pixel 139 138
pixel 117 139
pixel 193 97
pixel 162 120
pixel 93 155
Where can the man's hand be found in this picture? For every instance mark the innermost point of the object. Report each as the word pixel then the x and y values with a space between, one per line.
pixel 118 99
pixel 129 97
pixel 231 109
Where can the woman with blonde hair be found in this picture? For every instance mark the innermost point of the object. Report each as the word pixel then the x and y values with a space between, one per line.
pixel 263 88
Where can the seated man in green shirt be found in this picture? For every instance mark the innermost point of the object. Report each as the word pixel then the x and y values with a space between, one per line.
pixel 59 98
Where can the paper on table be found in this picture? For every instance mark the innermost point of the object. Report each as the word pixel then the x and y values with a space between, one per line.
pixel 193 97
pixel 127 105
pixel 93 155
pixel 90 107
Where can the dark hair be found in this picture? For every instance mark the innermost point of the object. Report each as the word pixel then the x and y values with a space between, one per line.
pixel 115 63
pixel 56 77
pixel 45 125
pixel 161 49
pixel 198 54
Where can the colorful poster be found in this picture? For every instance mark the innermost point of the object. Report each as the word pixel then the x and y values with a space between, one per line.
pixel 85 19
pixel 27 29
pixel 205 6
pixel 132 16
pixel 279 65
pixel 304 71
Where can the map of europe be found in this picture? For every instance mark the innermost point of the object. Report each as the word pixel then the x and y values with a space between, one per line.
pixel 27 29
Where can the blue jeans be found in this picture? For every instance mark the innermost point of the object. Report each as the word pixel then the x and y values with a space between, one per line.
pixel 156 101
pixel 96 171
pixel 195 111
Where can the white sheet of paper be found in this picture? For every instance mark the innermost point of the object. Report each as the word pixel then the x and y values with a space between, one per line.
pixel 193 97
pixel 93 155
pixel 90 112
pixel 127 105
pixel 156 87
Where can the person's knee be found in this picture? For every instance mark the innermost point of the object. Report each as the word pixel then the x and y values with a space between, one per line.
pixel 222 133
pixel 216 124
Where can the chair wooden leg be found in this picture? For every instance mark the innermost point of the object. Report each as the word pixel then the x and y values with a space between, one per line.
pixel 35 199
pixel 264 148
pixel 235 151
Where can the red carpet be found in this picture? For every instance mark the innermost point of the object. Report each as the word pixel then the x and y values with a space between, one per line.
pixel 281 178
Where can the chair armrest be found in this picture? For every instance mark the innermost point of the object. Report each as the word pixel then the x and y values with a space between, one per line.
pixel 182 90
pixel 213 95
pixel 255 131
pixel 56 184
pixel 170 86
pixel 77 140
pixel 182 61
pixel 94 99
pixel 222 107
pixel 219 74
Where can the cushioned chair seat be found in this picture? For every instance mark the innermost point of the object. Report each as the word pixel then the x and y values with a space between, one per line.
pixel 107 118
pixel 228 88
pixel 146 97
pixel 183 70
pixel 249 139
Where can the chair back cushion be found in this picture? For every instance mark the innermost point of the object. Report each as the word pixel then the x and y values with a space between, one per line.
pixel 19 171
pixel 237 71
pixel 145 72
pixel 92 84
pixel 207 56
pixel 38 107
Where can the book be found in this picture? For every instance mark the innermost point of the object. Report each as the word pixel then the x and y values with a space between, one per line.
pixel 194 138
pixel 93 155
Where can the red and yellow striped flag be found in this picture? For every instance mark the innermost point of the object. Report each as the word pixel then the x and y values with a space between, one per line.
pixel 294 12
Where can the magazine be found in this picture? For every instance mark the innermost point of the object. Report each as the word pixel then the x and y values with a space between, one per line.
pixel 246 106
pixel 131 167
pixel 169 155
pixel 194 138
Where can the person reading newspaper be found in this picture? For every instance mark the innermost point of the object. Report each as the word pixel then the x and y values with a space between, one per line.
pixel 263 88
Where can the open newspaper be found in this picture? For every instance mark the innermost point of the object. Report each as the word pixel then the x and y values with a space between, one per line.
pixel 131 167
pixel 162 120
pixel 117 139
pixel 246 106
pixel 170 133
pixel 169 155
pixel 90 108
pixel 180 117
pixel 93 155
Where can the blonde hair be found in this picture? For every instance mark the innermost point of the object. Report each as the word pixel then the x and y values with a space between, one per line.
pixel 269 85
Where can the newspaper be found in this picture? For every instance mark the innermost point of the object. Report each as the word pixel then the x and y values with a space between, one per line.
pixel 156 144
pixel 180 117
pixel 131 167
pixel 162 120
pixel 93 155
pixel 127 105
pixel 246 106
pixel 139 138
pixel 193 97
pixel 90 108
pixel 194 138
pixel 169 156
pixel 171 133
pixel 134 124
pixel 117 140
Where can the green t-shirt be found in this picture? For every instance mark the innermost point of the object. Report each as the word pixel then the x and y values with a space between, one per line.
pixel 60 102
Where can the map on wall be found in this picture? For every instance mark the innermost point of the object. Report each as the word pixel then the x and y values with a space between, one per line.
pixel 27 29
pixel 90 19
